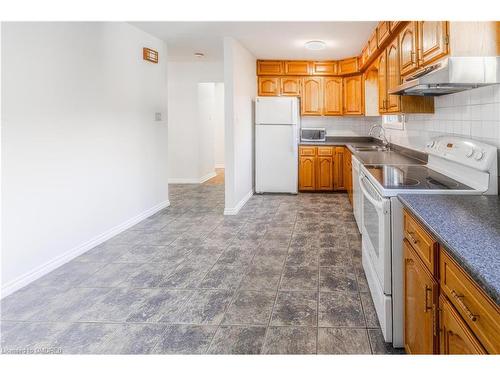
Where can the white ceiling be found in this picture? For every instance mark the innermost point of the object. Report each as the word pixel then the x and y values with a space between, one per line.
pixel 266 40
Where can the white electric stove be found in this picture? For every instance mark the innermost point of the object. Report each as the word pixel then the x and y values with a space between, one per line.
pixel 456 166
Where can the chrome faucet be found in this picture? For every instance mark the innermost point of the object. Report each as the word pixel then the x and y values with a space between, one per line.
pixel 381 133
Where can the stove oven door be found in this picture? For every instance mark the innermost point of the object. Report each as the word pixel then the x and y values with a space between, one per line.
pixel 376 231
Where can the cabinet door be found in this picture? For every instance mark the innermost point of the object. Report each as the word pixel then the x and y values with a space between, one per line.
pixel 324 68
pixel 332 105
pixel 325 173
pixel 268 86
pixel 393 76
pixel 312 94
pixel 383 32
pixel 338 169
pixel 347 170
pixel 348 66
pixel 290 86
pixel 307 173
pixel 301 68
pixel 456 337
pixel 420 298
pixel 432 41
pixel 393 25
pixel 408 48
pixel 269 67
pixel 353 95
pixel 382 82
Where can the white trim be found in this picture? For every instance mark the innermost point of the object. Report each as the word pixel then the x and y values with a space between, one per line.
pixel 219 166
pixel 200 180
pixel 241 203
pixel 208 177
pixel 58 261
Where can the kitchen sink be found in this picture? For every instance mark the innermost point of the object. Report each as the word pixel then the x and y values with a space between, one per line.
pixel 371 148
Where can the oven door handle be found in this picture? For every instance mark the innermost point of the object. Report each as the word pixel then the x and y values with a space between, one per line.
pixel 378 204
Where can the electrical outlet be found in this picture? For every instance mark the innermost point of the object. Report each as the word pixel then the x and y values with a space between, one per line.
pixel 158 116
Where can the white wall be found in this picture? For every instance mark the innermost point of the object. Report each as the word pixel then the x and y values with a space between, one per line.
pixel 219 125
pixel 340 126
pixel 82 157
pixel 240 90
pixel 188 149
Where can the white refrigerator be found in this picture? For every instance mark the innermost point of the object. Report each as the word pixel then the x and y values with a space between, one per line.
pixel 277 123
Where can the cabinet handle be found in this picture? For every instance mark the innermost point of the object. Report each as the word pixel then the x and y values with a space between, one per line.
pixel 435 327
pixel 427 290
pixel 460 302
pixel 411 238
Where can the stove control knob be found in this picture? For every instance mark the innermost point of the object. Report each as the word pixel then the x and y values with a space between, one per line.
pixel 479 155
pixel 469 152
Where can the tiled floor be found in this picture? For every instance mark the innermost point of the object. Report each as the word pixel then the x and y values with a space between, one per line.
pixel 283 276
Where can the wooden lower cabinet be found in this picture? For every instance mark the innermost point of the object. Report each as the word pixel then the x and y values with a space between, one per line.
pixel 420 302
pixel 338 170
pixel 348 173
pixel 325 173
pixel 456 337
pixel 452 316
pixel 320 168
pixel 307 173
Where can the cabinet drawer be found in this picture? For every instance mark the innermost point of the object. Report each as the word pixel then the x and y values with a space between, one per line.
pixel 480 313
pixel 307 150
pixel 421 241
pixel 325 151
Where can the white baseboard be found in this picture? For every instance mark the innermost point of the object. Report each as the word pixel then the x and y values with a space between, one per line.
pixel 207 177
pixel 234 210
pixel 219 166
pixel 200 180
pixel 58 261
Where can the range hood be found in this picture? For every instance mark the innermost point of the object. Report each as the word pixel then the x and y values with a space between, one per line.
pixel 451 75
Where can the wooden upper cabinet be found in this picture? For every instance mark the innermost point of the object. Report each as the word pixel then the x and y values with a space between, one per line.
pixel 324 68
pixel 383 32
pixel 420 293
pixel 393 25
pixel 299 68
pixel 348 66
pixel 432 40
pixel 382 82
pixel 408 48
pixel 332 96
pixel 353 95
pixel 312 96
pixel 269 67
pixel 290 86
pixel 268 86
pixel 372 43
pixel 393 76
pixel 456 337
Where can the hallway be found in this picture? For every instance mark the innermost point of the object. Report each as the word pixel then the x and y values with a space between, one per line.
pixel 282 276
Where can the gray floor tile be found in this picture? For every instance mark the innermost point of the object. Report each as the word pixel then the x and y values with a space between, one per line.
pixel 159 305
pixel 133 338
pixel 86 338
pixel 142 254
pixel 236 256
pixel 69 274
pixel 204 307
pixel 185 339
pixel 343 341
pixel 238 340
pixel 340 309
pixel 337 279
pixel 111 275
pixel 104 253
pixel 250 307
pixel 149 275
pixel 299 278
pixel 261 277
pixel 31 338
pixel 332 257
pixel 369 311
pixel 295 309
pixel 304 257
pixel 222 276
pixel 290 340
pixel 185 276
pixel 378 344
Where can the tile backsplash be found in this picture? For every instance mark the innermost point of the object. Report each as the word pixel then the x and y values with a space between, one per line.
pixel 340 126
pixel 473 114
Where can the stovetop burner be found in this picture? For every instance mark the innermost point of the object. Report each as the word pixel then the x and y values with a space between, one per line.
pixel 416 177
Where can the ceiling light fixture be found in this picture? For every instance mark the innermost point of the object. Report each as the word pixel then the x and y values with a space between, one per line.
pixel 315 45
pixel 199 55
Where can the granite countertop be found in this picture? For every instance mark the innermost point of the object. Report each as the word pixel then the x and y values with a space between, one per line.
pixel 369 157
pixel 469 228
